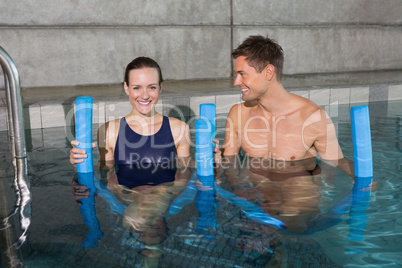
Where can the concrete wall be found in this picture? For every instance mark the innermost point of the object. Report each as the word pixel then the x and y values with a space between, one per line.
pixel 326 36
pixel 90 42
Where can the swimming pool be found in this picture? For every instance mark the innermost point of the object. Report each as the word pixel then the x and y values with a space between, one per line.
pixel 327 224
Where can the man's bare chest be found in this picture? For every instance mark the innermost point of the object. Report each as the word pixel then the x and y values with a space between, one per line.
pixel 278 138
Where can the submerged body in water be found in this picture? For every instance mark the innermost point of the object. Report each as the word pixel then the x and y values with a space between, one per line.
pixel 286 190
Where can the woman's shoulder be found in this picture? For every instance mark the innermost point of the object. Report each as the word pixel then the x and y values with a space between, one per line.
pixel 110 128
pixel 174 122
pixel 178 127
pixel 112 124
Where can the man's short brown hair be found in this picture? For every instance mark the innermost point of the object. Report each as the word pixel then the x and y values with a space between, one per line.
pixel 261 51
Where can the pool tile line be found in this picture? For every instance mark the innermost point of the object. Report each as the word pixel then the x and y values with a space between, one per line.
pixel 58 115
pixel 378 92
pixel 48 114
pixel 395 92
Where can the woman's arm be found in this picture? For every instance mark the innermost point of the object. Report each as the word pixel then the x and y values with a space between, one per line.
pixel 182 139
pixel 107 137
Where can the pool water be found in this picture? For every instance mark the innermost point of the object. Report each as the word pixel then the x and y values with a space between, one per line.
pixel 309 216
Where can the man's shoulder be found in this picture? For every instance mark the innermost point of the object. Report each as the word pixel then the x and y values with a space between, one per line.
pixel 244 106
pixel 304 105
pixel 234 108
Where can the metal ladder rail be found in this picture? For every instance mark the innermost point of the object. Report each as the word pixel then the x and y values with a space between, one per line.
pixel 18 150
pixel 14 105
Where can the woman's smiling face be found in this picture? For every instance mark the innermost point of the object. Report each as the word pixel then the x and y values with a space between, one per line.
pixel 143 89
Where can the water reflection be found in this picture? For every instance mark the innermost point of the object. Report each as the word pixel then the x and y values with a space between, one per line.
pixel 260 212
pixel 145 215
pixel 13 235
pixel 143 209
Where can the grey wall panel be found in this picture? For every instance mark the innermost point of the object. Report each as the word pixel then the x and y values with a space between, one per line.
pixel 122 12
pixel 333 49
pixel 76 56
pixel 296 12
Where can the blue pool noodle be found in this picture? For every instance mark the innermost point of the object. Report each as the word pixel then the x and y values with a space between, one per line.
pixel 251 210
pixel 357 216
pixel 109 197
pixel 204 133
pixel 88 212
pixel 208 111
pixel 362 151
pixel 83 131
pixel 203 148
pixel 206 204
pixel 185 198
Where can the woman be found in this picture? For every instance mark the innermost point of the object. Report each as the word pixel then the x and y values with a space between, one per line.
pixel 143 139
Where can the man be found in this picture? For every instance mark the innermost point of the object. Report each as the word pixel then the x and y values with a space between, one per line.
pixel 271 122
pixel 285 133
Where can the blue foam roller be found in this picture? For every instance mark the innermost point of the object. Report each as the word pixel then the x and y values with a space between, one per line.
pixel 208 111
pixel 83 131
pixel 362 151
pixel 203 147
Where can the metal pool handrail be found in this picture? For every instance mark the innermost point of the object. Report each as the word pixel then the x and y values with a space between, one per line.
pixel 14 105
pixel 18 151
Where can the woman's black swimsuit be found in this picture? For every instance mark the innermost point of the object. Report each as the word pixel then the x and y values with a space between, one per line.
pixel 145 160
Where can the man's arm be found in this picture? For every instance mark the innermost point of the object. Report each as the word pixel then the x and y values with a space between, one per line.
pixel 231 144
pixel 328 147
pixel 326 142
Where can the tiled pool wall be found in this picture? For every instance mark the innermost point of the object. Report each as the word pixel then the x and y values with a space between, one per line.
pixel 41 116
